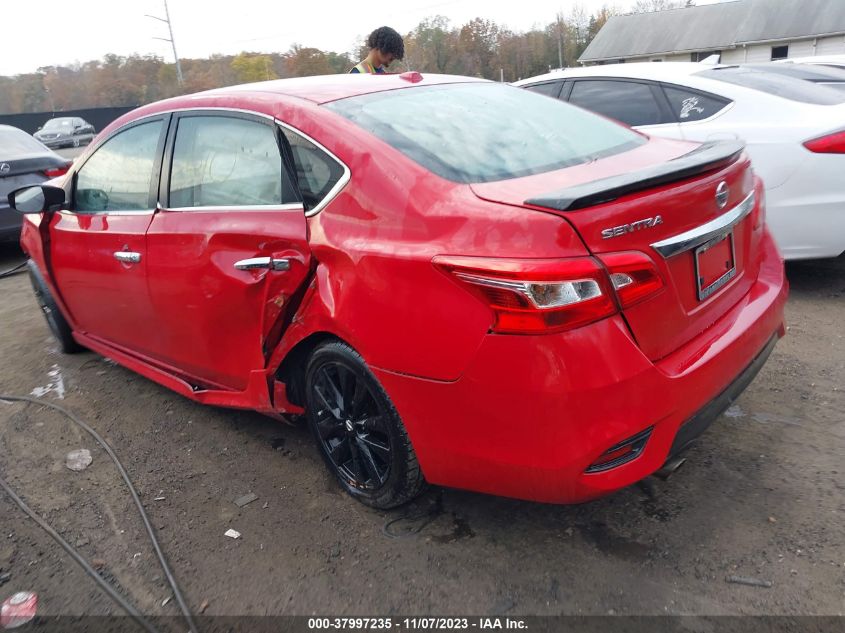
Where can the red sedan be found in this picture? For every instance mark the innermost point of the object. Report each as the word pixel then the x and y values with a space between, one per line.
pixel 456 281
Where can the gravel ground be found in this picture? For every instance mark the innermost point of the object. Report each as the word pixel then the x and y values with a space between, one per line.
pixel 762 495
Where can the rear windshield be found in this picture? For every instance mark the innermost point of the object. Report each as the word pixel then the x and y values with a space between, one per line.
pixel 15 143
pixel 776 84
pixel 473 133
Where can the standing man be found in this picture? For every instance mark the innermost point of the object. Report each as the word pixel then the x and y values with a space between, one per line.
pixel 385 45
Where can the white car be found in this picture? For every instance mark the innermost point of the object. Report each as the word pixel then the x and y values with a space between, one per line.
pixel 834 61
pixel 794 131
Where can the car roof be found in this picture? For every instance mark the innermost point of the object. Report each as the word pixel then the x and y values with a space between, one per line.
pixel 325 88
pixel 10 128
pixel 638 70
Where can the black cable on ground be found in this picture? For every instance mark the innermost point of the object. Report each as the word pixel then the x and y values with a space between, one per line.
pixel 169 574
pixel 423 518
pixel 132 611
pixel 17 270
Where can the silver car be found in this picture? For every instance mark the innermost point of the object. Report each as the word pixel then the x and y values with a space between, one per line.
pixel 65 131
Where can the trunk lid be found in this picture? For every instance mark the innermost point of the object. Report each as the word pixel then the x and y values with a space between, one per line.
pixel 661 200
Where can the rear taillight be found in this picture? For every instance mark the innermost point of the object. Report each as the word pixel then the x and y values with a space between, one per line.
pixel 57 171
pixel 634 276
pixel 535 296
pixel 828 144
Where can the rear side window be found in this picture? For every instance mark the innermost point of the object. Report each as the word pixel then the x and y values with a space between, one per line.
pixel 627 101
pixel 777 85
pixel 316 172
pixel 691 105
pixel 119 175
pixel 549 89
pixel 483 132
pixel 223 161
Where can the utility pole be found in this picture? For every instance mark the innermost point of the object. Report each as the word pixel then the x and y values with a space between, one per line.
pixel 49 96
pixel 166 20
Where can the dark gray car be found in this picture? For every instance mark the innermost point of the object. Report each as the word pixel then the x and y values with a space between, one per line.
pixel 65 131
pixel 23 161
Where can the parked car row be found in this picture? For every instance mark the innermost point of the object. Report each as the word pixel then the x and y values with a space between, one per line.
pixel 791 117
pixel 456 281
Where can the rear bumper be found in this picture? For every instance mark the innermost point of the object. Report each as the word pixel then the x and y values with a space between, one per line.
pixel 531 414
pixel 702 420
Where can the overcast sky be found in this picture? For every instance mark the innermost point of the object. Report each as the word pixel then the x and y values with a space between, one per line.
pixel 50 32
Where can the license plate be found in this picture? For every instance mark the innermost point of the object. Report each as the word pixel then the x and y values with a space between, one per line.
pixel 715 265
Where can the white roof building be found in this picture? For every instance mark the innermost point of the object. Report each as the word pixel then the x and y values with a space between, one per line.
pixel 739 31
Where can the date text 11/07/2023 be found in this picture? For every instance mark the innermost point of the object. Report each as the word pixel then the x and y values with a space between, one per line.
pixel 417 624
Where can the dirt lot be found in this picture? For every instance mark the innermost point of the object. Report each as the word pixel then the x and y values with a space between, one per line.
pixel 762 495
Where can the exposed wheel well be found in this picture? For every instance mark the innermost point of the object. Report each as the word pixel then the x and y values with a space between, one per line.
pixel 292 370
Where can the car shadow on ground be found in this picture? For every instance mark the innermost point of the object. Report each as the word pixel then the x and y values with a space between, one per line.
pixel 10 255
pixel 817 277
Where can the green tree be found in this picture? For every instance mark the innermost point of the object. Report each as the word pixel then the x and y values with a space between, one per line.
pixel 250 67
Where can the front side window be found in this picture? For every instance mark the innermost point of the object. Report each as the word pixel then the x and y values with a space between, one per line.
pixel 549 89
pixel 482 132
pixel 223 161
pixel 691 105
pixel 119 175
pixel 316 172
pixel 627 101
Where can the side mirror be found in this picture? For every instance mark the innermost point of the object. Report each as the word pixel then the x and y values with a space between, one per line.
pixel 37 199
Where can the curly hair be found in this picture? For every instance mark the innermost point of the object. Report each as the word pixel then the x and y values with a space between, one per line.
pixel 387 41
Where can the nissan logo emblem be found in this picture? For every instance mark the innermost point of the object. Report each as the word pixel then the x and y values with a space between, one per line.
pixel 5 168
pixel 722 193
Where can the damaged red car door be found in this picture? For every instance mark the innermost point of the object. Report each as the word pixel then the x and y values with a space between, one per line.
pixel 227 250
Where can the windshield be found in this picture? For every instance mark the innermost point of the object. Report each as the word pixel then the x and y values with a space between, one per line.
pixel 778 85
pixel 482 132
pixel 15 143
pixel 58 123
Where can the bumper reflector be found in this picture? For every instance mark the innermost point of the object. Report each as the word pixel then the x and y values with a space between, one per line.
pixel 621 453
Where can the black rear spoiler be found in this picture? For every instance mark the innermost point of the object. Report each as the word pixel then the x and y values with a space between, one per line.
pixel 704 158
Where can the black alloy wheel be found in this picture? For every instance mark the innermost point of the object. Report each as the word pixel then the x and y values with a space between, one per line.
pixel 358 430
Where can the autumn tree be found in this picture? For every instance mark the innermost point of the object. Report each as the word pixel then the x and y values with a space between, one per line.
pixel 301 61
pixel 480 48
pixel 477 45
pixel 431 46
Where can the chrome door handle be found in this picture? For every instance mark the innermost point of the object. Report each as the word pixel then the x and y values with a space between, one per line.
pixel 128 257
pixel 255 263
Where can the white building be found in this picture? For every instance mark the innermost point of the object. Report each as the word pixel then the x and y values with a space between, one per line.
pixel 739 31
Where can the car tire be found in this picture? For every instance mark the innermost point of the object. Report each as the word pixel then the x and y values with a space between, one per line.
pixel 357 429
pixel 56 321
